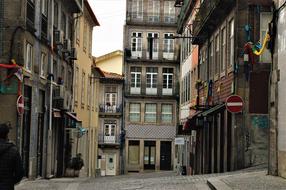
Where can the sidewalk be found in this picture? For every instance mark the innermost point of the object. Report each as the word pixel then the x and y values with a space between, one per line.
pixel 247 181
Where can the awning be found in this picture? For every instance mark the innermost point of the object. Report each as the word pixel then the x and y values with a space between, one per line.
pixel 190 124
pixel 72 116
pixel 57 113
pixel 211 110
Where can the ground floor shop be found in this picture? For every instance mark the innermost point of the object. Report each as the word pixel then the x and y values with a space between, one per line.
pixel 149 154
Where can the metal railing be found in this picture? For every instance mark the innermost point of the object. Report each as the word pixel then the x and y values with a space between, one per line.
pixel 151 17
pixel 160 54
pixel 206 10
pixel 157 90
pixel 103 108
pixel 107 139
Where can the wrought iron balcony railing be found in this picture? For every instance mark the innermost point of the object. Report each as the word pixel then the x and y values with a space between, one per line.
pixel 108 139
pixel 151 18
pixel 204 22
pixel 103 108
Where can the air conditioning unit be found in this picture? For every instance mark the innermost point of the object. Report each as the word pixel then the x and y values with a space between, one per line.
pixel 58 37
pixel 59 92
pixel 67 45
pixel 73 54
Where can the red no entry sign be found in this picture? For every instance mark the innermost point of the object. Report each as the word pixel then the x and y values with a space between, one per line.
pixel 234 104
pixel 20 105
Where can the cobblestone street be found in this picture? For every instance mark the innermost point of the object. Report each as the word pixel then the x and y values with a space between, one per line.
pixel 146 181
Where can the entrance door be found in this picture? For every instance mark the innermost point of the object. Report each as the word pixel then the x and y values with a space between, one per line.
pixel 26 129
pixel 110 164
pixel 165 155
pixel 149 155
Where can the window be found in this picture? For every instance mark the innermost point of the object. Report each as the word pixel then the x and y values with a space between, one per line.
pixel 137 9
pixel 43 65
pixel 150 113
pixel 29 57
pixel 169 12
pixel 69 79
pixel 56 14
pixel 153 10
pixel 110 96
pixel 136 44
pixel 211 66
pixel 217 58
pixel 167 81
pixel 83 88
pixel 90 41
pixel 109 129
pixel 134 112
pixel 133 152
pixel 88 91
pixel 153 45
pixel 135 80
pixel 78 30
pixel 151 80
pixel 63 23
pixel 167 113
pixel 168 43
pixel 223 51
pixel 203 65
pixel 44 7
pixel 84 36
pixel 76 84
pixel 231 41
pixel 55 69
pixel 30 13
pixel 265 18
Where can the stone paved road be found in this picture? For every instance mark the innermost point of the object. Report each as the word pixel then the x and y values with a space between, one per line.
pixel 143 181
pixel 146 181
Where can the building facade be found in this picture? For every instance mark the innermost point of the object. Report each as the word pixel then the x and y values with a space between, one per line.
pixel 277 151
pixel 85 94
pixel 151 72
pixel 223 31
pixel 110 122
pixel 188 79
pixel 44 75
pixel 111 62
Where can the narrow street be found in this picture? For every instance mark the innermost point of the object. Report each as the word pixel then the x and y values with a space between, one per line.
pixel 146 181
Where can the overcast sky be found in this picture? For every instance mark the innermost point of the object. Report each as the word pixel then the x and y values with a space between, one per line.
pixel 108 36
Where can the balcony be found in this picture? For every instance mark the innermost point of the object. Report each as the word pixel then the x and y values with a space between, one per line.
pixel 186 9
pixel 150 18
pixel 74 6
pixel 110 110
pixel 159 56
pixel 159 91
pixel 211 13
pixel 108 141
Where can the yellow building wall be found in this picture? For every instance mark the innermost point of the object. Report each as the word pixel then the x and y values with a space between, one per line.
pixel 111 63
pixel 85 90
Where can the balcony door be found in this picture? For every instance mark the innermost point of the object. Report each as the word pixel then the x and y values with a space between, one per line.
pixel 149 155
pixel 110 99
pixel 109 133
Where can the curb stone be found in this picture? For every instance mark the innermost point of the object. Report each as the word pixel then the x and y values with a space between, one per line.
pixel 216 184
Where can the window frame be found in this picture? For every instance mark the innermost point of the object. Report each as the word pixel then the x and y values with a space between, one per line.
pixel 149 113
pixel 167 113
pixel 29 57
pixel 136 112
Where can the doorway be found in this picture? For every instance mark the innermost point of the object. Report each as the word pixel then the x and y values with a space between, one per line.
pixel 165 155
pixel 111 164
pixel 26 129
pixel 149 155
